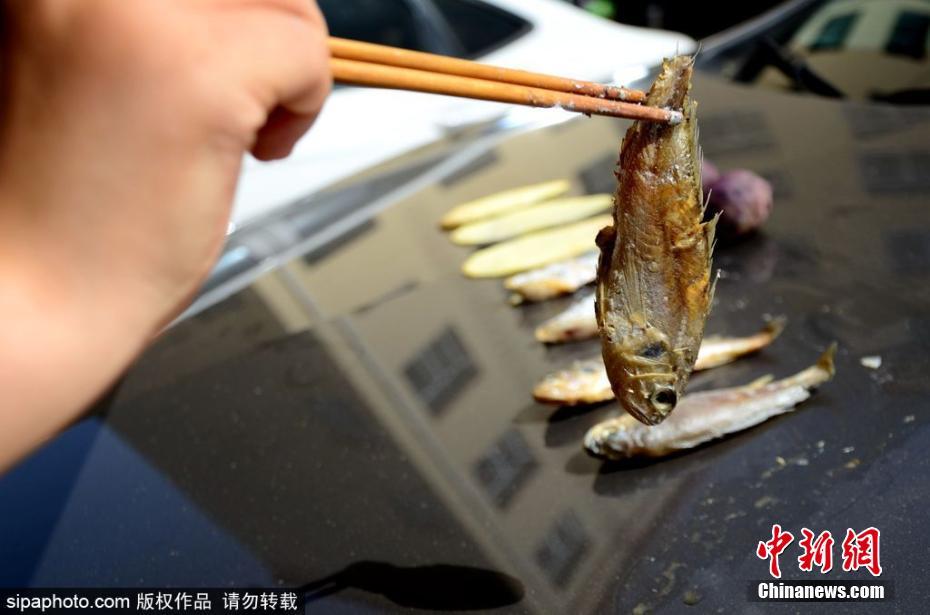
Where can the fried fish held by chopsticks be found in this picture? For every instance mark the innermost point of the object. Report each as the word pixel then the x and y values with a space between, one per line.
pixel 654 287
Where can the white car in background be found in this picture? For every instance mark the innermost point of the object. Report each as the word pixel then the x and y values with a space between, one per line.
pixel 361 127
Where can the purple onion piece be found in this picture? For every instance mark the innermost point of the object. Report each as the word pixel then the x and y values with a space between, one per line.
pixel 744 200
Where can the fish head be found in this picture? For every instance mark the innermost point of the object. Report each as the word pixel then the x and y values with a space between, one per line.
pixel 616 438
pixel 652 374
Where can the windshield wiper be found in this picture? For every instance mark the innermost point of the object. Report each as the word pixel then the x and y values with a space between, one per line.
pixel 796 69
pixel 914 96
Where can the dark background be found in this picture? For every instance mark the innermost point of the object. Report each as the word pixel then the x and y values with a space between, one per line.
pixel 696 19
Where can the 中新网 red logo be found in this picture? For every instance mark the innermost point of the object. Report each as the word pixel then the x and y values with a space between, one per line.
pixel 859 550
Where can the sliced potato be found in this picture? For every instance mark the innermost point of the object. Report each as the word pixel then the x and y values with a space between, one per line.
pixel 503 202
pixel 535 249
pixel 544 215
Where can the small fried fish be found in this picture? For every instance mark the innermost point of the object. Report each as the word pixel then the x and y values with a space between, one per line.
pixel 586 382
pixel 654 286
pixel 717 350
pixel 561 278
pixel 701 417
pixel 573 324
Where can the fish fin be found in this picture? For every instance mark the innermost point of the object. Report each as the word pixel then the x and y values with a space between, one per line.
pixel 775 326
pixel 605 240
pixel 706 203
pixel 825 362
pixel 711 290
pixel 710 235
pixel 697 157
pixel 710 230
pixel 633 290
pixel 700 48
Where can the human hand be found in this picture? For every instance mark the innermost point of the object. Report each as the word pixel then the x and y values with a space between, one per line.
pixel 122 132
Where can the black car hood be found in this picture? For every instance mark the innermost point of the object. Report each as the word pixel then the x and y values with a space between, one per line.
pixel 358 420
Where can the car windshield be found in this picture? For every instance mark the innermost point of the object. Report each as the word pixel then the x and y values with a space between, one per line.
pixel 858 49
pixel 461 28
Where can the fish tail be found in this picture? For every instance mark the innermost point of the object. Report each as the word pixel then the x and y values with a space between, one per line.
pixel 826 360
pixel 671 87
pixel 775 326
pixel 815 375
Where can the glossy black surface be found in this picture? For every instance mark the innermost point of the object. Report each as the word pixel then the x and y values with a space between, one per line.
pixel 358 422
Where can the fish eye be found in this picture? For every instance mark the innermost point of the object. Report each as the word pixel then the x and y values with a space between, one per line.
pixel 652 351
pixel 664 400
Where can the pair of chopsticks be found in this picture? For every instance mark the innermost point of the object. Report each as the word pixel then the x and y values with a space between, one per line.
pixel 366 64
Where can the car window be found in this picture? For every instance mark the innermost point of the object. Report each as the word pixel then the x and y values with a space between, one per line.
pixel 834 32
pixel 909 36
pixel 857 49
pixel 385 22
pixel 480 27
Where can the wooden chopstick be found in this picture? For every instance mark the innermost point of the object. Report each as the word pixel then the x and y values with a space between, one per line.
pixel 381 54
pixel 376 74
